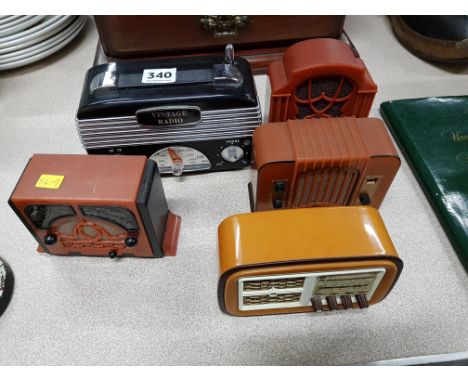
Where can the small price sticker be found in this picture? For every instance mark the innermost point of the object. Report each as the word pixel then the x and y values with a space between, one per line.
pixel 159 76
pixel 50 181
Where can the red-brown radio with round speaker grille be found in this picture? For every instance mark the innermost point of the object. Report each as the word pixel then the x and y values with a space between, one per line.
pixel 320 78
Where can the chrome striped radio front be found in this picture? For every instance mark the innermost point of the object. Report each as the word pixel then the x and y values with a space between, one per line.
pixel 189 114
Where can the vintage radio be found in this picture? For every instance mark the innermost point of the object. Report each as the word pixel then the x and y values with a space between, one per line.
pixel 305 260
pixel 96 205
pixel 320 78
pixel 187 114
pixel 322 162
pixel 6 285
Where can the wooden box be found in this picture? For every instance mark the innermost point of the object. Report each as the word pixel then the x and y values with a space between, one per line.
pixel 260 39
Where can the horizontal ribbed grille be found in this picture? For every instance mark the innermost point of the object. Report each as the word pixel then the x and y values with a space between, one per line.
pixel 276 284
pixel 329 186
pixel 269 299
pixel 126 131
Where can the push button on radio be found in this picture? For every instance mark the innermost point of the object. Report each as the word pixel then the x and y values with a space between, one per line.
pixel 316 304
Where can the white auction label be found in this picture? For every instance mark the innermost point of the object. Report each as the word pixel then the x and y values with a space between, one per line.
pixel 159 76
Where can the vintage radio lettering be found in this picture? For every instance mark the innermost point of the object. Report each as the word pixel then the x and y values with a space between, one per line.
pixel 170 121
pixel 175 117
pixel 170 114
pixel 168 117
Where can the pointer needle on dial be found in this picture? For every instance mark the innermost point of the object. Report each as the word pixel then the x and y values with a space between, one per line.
pixel 177 162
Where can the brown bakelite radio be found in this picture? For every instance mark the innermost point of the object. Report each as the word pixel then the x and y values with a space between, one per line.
pixel 96 205
pixel 322 162
pixel 319 78
pixel 305 260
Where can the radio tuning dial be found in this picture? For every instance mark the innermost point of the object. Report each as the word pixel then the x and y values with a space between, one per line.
pixel 232 153
pixel 177 162
pixel 178 159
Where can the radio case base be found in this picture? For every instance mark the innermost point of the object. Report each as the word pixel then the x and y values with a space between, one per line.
pixel 171 235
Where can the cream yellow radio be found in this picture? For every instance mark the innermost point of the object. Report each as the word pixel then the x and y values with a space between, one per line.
pixel 305 260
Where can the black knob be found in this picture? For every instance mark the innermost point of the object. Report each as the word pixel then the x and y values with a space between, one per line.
pixel 280 186
pixel 131 241
pixel 364 199
pixel 50 239
pixel 277 203
pixel 112 254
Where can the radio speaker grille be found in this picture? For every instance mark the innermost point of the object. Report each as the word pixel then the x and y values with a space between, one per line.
pixel 329 186
pixel 277 284
pixel 271 299
pixel 322 97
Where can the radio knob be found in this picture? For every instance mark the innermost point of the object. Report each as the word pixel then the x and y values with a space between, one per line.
pixel 364 199
pixel 50 239
pixel 277 203
pixel 130 241
pixel 232 153
pixel 280 186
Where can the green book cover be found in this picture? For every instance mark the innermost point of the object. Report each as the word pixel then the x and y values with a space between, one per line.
pixel 433 135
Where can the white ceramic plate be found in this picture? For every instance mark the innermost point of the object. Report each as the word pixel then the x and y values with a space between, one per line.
pixel 43 46
pixel 21 26
pixel 14 22
pixel 8 19
pixel 48 24
pixel 23 42
pixel 44 54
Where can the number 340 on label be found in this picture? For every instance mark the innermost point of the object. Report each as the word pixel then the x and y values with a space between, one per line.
pixel 159 76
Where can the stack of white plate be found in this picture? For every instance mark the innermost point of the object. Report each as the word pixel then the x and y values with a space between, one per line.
pixel 27 39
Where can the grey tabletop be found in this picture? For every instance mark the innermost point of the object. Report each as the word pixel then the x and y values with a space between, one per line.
pixel 85 310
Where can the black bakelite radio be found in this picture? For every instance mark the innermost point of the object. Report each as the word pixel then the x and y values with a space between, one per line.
pixel 187 114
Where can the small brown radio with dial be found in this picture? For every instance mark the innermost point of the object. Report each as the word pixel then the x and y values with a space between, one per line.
pixel 320 78
pixel 96 205
pixel 322 162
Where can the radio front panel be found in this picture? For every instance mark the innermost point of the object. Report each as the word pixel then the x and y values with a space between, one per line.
pixel 320 290
pixel 191 156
